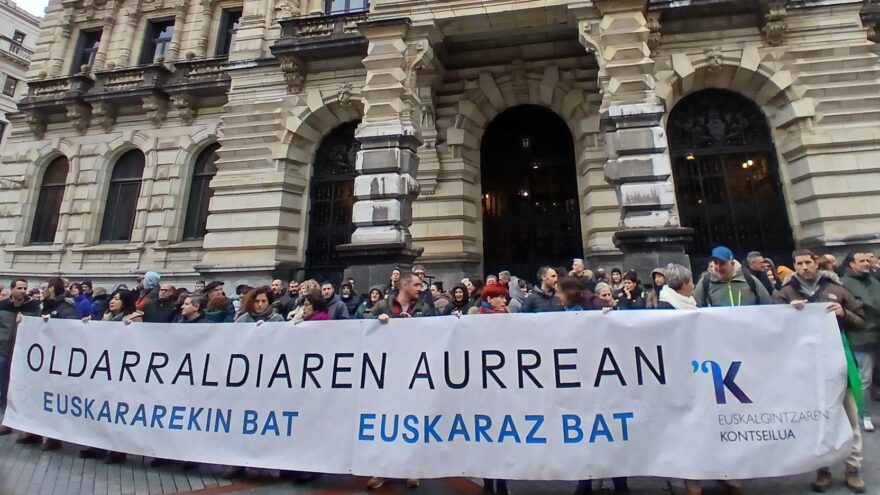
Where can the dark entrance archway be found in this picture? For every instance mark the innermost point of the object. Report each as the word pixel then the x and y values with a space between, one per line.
pixel 727 177
pixel 331 199
pixel 531 213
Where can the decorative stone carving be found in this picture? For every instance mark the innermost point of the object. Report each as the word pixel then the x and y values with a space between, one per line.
pixel 36 122
pixel 520 79
pixel 13 183
pixel 186 107
pixel 104 115
pixel 344 95
pixel 156 108
pixel 714 59
pixel 653 25
pixel 79 115
pixel 775 23
pixel 294 74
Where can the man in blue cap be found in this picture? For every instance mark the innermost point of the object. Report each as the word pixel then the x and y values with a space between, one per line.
pixel 727 285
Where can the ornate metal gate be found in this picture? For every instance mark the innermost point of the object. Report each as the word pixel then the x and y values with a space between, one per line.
pixel 531 213
pixel 331 200
pixel 727 177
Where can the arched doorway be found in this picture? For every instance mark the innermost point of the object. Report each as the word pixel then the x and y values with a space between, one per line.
pixel 727 177
pixel 331 199
pixel 531 213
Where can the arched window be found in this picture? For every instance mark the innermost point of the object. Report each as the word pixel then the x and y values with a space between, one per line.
pixel 125 187
pixel 200 194
pixel 49 202
pixel 726 176
pixel 332 199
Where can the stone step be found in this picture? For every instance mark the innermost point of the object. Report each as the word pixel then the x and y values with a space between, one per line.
pixel 243 119
pixel 843 89
pixel 847 117
pixel 838 76
pixel 854 102
pixel 819 51
pixel 835 63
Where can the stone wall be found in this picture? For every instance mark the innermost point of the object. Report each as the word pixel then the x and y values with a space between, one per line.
pixel 612 69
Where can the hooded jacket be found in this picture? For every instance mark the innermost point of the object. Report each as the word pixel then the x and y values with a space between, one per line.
pixel 365 308
pixel 352 301
pixel 735 292
pixel 541 302
pixel 99 306
pixel 517 296
pixel 83 305
pixel 829 289
pixel 866 289
pixel 336 308
pixel 453 305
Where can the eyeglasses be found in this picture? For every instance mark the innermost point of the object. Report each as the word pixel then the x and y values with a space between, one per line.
pixel 420 274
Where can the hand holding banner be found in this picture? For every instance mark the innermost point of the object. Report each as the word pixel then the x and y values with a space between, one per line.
pixel 711 394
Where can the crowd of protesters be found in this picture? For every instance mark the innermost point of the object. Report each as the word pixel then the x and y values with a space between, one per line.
pixel 850 289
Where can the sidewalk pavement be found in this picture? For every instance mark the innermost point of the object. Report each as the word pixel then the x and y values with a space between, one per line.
pixel 25 470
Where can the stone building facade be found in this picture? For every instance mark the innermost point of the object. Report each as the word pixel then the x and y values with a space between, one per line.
pixel 18 32
pixel 234 139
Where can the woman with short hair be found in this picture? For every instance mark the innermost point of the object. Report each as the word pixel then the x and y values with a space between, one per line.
pixel 257 307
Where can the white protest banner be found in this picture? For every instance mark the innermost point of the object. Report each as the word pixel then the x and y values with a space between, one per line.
pixel 718 393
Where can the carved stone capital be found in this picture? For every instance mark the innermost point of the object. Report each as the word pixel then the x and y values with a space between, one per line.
pixel 36 122
pixel 104 115
pixel 156 108
pixel 775 26
pixel 186 106
pixel 294 73
pixel 79 115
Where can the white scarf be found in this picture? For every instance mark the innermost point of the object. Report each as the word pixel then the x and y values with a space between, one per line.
pixel 677 300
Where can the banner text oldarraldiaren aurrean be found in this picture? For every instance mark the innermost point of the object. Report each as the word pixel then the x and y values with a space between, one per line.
pixel 488 368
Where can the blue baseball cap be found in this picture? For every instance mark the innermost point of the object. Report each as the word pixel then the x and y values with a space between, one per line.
pixel 722 253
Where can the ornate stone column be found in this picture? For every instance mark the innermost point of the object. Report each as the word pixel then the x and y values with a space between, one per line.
pixel 132 16
pixel 388 161
pixel 180 9
pixel 638 164
pixel 104 44
pixel 65 23
pixel 205 28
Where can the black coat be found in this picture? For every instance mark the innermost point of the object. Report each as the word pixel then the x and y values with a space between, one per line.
pixel 60 307
pixel 161 311
pixel 541 302
pixel 8 327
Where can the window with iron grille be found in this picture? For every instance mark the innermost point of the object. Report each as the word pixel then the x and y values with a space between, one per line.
pixel 49 202
pixel 331 202
pixel 122 197
pixel 200 193
pixel 726 174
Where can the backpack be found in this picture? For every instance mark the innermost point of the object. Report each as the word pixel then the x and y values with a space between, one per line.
pixel 750 279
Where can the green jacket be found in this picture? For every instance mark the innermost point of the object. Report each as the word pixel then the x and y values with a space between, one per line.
pixel 867 290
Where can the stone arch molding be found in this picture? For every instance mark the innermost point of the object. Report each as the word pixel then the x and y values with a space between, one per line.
pixel 313 115
pixel 492 95
pixel 759 78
